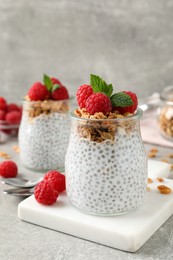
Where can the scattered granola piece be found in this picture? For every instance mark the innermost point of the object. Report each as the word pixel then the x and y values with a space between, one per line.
pixel 165 160
pixel 164 189
pixel 5 155
pixel 151 155
pixel 2 154
pixel 16 148
pixel 171 167
pixel 170 155
pixel 154 150
pixel 150 180
pixel 160 179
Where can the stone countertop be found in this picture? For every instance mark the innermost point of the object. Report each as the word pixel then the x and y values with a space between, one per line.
pixel 21 240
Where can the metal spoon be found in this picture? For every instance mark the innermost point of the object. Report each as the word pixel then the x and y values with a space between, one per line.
pixel 19 192
pixel 20 182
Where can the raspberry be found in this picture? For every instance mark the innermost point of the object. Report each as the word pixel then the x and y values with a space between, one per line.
pixel 98 102
pixel 56 81
pixel 8 169
pixel 56 179
pixel 83 94
pixel 60 93
pixel 2 115
pixel 130 109
pixel 3 104
pixel 38 91
pixel 44 193
pixel 12 107
pixel 13 117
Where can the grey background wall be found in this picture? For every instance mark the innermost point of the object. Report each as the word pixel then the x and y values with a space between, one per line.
pixel 129 43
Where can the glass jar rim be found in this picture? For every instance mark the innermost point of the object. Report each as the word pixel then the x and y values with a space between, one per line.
pixel 138 114
pixel 167 94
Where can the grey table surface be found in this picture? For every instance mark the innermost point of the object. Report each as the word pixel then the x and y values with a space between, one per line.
pixel 22 240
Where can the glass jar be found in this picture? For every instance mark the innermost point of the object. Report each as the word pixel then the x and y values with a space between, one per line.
pixel 106 165
pixel 165 113
pixel 44 134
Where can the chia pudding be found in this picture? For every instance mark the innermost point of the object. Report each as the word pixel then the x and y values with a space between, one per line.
pixel 44 134
pixel 106 165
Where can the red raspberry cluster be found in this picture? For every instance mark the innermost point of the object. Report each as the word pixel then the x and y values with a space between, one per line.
pixel 93 102
pixel 10 112
pixel 47 191
pixel 10 117
pixel 51 88
pixel 97 97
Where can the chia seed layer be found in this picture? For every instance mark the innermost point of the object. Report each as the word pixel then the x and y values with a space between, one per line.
pixel 106 178
pixel 44 140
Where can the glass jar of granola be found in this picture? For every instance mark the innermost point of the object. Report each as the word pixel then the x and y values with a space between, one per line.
pixel 165 113
pixel 44 134
pixel 106 164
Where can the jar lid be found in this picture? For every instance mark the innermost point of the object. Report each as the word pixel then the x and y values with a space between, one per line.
pixel 167 94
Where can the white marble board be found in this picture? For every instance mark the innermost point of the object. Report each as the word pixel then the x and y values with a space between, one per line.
pixel 126 232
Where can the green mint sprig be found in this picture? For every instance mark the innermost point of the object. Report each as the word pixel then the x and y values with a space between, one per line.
pixel 99 85
pixel 48 83
pixel 119 99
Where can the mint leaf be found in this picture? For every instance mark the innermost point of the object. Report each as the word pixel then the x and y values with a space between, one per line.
pixel 121 99
pixel 55 86
pixel 47 82
pixel 109 90
pixel 96 83
pixel 99 85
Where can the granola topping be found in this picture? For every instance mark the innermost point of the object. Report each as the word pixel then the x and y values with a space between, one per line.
pixel 46 107
pixel 99 115
pixel 100 131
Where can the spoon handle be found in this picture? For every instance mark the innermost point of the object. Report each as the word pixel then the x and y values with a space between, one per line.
pixel 19 192
pixel 20 183
pixel 15 181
